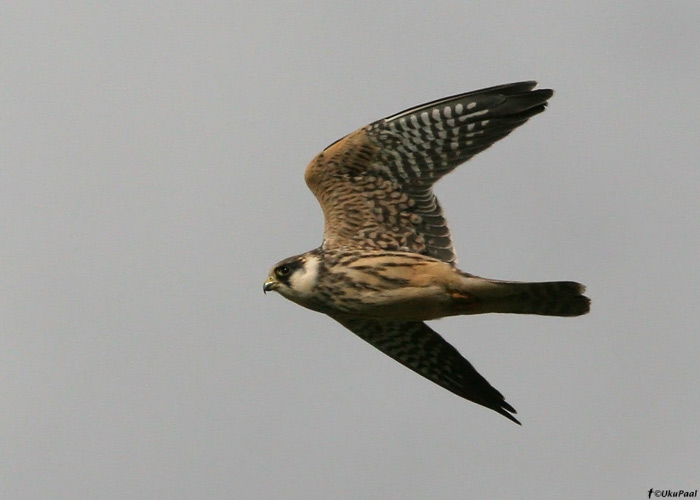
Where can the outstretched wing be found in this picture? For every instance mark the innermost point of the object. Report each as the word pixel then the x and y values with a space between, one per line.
pixel 415 345
pixel 375 185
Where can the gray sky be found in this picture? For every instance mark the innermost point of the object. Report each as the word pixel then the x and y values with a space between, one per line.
pixel 152 171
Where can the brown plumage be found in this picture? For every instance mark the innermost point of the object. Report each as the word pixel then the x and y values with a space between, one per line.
pixel 387 263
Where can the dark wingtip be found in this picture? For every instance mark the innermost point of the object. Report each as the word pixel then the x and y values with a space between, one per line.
pixel 507 410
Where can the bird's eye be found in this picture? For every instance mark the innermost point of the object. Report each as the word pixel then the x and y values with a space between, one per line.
pixel 282 271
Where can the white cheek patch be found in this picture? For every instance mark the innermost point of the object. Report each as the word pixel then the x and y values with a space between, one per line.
pixel 304 280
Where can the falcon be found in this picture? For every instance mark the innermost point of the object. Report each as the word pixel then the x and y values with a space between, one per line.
pixel 387 264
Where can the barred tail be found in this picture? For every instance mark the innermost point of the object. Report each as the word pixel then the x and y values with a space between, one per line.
pixel 553 298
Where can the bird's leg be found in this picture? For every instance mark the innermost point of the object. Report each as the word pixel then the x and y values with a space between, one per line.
pixel 462 297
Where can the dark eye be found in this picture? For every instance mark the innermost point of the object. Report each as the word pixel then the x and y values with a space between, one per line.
pixel 282 271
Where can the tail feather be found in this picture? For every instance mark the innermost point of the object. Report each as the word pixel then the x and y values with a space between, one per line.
pixel 552 298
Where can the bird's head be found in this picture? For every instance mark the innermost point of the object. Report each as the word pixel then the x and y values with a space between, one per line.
pixel 295 277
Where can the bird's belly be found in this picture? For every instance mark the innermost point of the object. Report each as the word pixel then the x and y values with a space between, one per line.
pixel 406 303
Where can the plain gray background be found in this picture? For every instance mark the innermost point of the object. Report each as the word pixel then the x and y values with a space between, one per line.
pixel 151 172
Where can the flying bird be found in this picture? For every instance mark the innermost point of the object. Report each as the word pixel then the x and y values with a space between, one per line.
pixel 387 263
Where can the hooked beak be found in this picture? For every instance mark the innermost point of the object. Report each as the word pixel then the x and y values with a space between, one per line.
pixel 270 284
